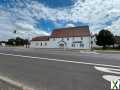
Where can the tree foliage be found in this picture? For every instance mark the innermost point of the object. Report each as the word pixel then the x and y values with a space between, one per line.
pixel 105 38
pixel 17 41
pixel 11 42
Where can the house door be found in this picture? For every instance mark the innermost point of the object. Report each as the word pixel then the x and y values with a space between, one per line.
pixel 61 45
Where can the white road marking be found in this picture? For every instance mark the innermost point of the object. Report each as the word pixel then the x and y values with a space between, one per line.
pixel 90 52
pixel 111 77
pixel 60 60
pixel 114 80
pixel 108 70
pixel 64 54
pixel 111 71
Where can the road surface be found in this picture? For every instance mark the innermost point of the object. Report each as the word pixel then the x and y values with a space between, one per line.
pixel 56 69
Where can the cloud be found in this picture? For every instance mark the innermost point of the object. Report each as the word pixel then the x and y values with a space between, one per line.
pixel 24 26
pixel 21 21
pixel 26 30
pixel 70 25
pixel 5 21
pixel 115 27
pixel 24 15
pixel 96 12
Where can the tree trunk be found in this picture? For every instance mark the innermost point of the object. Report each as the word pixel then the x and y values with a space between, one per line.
pixel 113 46
pixel 104 46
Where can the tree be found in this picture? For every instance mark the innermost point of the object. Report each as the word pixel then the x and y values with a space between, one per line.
pixel 19 41
pixel 27 43
pixel 105 38
pixel 11 42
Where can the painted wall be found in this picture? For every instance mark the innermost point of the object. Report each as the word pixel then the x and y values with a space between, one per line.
pixel 71 42
pixel 39 44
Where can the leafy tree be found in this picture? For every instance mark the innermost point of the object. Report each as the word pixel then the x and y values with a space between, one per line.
pixel 11 42
pixel 26 41
pixel 19 41
pixel 105 38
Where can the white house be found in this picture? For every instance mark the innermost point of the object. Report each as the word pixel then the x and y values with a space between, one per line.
pixel 40 42
pixel 71 38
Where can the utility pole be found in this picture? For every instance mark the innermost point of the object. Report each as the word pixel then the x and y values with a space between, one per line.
pixel 28 42
pixel 91 42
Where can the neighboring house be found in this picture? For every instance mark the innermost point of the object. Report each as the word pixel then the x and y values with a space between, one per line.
pixel 73 38
pixel 3 43
pixel 40 42
pixel 117 41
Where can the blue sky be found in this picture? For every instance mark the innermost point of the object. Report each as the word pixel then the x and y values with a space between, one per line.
pixel 40 17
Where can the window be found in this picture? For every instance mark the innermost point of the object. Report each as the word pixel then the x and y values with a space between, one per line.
pixel 81 45
pixel 41 43
pixel 45 44
pixel 73 45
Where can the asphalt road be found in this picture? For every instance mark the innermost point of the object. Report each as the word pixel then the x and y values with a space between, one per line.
pixel 56 69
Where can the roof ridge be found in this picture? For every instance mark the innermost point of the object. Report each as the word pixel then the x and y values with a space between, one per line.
pixel 86 26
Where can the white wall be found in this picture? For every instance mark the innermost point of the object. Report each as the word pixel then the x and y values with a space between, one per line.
pixel 54 43
pixel 39 44
pixel 86 41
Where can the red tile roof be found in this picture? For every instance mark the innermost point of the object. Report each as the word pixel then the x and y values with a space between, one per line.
pixel 41 38
pixel 65 32
pixel 71 32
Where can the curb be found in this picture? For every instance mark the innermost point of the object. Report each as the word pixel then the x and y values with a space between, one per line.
pixel 89 52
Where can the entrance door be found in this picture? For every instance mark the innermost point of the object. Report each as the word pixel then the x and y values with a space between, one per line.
pixel 61 45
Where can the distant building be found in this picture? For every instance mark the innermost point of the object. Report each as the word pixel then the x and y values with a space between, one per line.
pixel 117 41
pixel 73 38
pixel 2 43
pixel 40 42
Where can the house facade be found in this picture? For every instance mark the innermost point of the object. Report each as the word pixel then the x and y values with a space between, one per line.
pixel 71 38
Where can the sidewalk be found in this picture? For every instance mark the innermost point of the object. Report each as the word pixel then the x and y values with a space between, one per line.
pixel 107 51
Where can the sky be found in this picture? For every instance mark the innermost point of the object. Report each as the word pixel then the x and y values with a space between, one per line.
pixel 40 17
